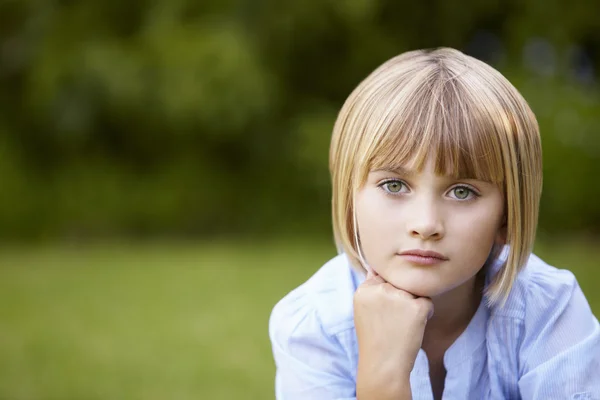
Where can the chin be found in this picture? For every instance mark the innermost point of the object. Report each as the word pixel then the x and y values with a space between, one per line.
pixel 419 289
pixel 425 292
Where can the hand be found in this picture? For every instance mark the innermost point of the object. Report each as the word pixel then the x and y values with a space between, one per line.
pixel 390 324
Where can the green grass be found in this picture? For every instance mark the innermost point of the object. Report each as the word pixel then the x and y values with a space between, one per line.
pixel 162 320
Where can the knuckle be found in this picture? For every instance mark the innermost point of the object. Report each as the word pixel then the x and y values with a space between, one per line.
pixel 359 294
pixel 363 295
pixel 388 288
pixel 423 307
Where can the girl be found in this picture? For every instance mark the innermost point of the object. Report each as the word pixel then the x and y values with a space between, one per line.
pixel 436 170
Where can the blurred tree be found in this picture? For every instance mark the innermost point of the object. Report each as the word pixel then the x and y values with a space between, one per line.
pixel 184 117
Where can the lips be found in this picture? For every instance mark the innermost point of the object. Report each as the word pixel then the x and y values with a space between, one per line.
pixel 424 253
pixel 423 257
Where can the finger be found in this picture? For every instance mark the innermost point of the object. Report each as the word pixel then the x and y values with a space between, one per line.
pixel 377 280
pixel 399 292
pixel 431 310
pixel 427 304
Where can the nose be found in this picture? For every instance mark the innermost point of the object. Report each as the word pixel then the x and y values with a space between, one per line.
pixel 426 222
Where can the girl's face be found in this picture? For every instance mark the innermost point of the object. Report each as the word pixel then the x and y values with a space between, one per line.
pixel 404 212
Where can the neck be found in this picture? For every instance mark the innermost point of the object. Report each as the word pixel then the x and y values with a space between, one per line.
pixel 454 310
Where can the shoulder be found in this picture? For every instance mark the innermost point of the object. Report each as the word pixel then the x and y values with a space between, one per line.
pixel 321 305
pixel 559 336
pixel 554 314
pixel 312 337
pixel 538 289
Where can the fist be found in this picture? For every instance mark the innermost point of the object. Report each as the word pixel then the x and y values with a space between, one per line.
pixel 390 324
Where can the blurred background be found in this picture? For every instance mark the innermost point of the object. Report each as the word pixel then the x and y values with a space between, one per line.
pixel 163 172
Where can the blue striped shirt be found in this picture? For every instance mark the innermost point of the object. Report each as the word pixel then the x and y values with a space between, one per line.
pixel 544 343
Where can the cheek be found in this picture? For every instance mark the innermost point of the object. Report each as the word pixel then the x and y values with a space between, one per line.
pixel 478 232
pixel 479 228
pixel 374 224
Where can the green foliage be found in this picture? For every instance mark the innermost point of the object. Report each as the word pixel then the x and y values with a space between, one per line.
pixel 208 117
pixel 569 119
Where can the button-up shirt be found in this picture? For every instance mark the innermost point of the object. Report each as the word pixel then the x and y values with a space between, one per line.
pixel 544 343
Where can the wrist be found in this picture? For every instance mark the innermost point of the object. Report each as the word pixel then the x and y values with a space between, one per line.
pixel 382 384
pixel 389 390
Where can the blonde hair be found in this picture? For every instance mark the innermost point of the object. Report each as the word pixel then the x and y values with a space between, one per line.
pixel 445 104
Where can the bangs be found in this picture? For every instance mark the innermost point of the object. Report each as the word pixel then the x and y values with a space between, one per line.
pixel 444 118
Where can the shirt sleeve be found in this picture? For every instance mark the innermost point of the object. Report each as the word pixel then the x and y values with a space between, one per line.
pixel 311 364
pixel 560 356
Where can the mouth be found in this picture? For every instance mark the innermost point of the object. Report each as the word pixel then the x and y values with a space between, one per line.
pixel 423 257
